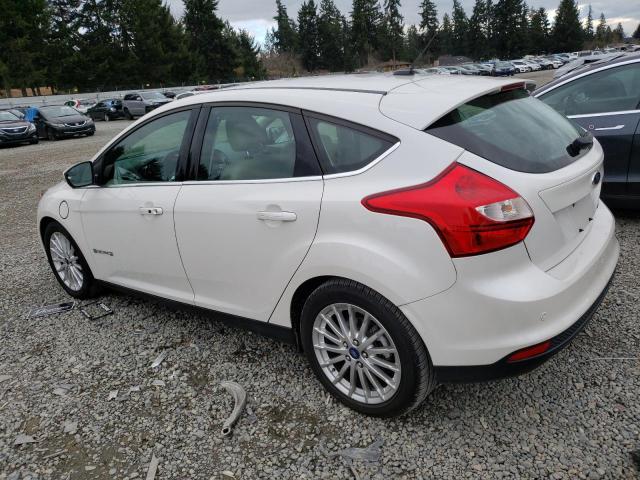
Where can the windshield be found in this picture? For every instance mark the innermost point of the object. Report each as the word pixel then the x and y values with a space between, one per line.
pixel 62 111
pixel 512 129
pixel 503 64
pixel 153 96
pixel 8 117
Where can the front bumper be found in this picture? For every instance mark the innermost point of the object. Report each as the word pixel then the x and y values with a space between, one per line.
pixel 17 139
pixel 502 302
pixel 71 131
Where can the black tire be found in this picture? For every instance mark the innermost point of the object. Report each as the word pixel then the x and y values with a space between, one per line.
pixel 417 378
pixel 127 114
pixel 51 135
pixel 89 286
pixel 34 141
pixel 106 117
pixel 91 133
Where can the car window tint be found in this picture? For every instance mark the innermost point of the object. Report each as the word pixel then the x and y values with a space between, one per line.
pixel 613 90
pixel 345 149
pixel 247 143
pixel 149 154
pixel 511 129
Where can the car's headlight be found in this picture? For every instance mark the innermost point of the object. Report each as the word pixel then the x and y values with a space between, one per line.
pixel 32 127
pixel 113 109
pixel 89 122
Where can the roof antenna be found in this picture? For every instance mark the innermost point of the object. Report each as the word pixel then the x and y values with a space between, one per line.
pixel 411 69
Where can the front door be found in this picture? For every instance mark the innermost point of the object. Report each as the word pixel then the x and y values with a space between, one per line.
pixel 245 225
pixel 128 219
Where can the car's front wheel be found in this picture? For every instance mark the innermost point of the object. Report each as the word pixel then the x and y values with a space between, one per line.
pixel 67 262
pixel 364 350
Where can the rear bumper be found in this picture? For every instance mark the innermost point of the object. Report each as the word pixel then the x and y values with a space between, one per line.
pixel 502 302
pixel 503 368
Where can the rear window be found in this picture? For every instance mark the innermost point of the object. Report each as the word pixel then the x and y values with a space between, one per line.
pixel 511 129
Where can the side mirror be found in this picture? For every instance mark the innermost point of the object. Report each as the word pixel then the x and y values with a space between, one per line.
pixel 80 175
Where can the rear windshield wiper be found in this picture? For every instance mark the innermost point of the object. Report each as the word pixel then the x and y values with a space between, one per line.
pixel 580 143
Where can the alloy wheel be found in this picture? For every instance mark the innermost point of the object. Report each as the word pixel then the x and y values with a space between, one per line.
pixel 356 353
pixel 66 261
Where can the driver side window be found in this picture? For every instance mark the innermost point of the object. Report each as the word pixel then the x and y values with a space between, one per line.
pixel 149 154
pixel 613 90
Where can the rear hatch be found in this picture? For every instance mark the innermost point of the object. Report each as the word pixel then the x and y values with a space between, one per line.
pixel 544 157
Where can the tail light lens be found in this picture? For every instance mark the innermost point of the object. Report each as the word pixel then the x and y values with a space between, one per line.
pixel 472 213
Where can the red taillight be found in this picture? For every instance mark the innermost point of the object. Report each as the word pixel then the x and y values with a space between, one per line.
pixel 471 212
pixel 530 352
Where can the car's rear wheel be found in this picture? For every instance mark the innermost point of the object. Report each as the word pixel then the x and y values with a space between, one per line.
pixel 364 350
pixel 67 262
pixel 106 117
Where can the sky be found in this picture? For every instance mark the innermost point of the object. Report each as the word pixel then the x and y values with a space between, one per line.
pixel 256 16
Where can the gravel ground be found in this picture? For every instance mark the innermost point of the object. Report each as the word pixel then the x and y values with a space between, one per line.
pixel 578 416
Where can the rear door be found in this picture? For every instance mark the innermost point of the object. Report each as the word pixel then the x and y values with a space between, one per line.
pixel 247 219
pixel 606 104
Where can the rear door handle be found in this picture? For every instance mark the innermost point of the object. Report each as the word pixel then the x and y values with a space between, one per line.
pixel 151 211
pixel 277 216
pixel 617 127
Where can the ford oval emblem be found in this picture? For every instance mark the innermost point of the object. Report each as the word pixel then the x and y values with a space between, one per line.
pixel 596 178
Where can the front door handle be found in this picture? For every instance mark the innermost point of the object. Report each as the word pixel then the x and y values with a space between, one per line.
pixel 277 216
pixel 151 211
pixel 617 127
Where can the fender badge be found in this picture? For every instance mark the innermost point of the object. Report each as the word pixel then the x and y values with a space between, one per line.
pixel 102 252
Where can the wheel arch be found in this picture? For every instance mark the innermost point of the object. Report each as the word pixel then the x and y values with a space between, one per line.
pixel 298 299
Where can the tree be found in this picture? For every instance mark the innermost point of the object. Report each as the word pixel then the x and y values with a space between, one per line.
pixel 63 41
pixel 539 31
pixel 588 28
pixel 459 30
pixel 478 35
pixel 392 30
pixel 618 34
pixel 331 37
pixel 250 66
pixel 285 34
pixel 446 35
pixel 365 24
pixel 413 43
pixel 308 35
pixel 601 32
pixel 507 18
pixel 567 30
pixel 636 34
pixel 212 51
pixel 429 26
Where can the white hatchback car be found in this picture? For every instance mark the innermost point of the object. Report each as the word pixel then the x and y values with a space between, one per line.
pixel 404 231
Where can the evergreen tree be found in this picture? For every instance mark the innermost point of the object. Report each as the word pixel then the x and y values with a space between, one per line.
pixel 507 18
pixel 365 24
pixel 459 29
pixel 618 34
pixel 588 28
pixel 429 26
pixel 63 41
pixel 567 30
pixel 601 31
pixel 522 36
pixel 478 35
pixel 331 36
pixel 413 43
pixel 636 34
pixel 212 51
pixel 392 30
pixel 285 33
pixel 539 31
pixel 308 35
pixel 446 35
pixel 247 52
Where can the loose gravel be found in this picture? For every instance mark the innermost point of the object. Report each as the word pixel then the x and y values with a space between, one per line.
pixel 79 399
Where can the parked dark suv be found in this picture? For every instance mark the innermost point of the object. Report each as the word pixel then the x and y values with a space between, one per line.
pixel 14 130
pixel 106 110
pixel 604 98
pixel 54 122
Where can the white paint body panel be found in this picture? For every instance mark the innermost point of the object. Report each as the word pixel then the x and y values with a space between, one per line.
pixel 237 263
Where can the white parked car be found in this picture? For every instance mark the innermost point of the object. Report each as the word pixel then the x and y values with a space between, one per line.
pixel 535 66
pixel 521 66
pixel 403 231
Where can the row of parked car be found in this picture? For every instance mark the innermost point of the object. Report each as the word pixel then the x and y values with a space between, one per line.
pixel 22 125
pixel 502 68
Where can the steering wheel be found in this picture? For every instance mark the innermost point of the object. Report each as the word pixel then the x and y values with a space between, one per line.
pixel 217 164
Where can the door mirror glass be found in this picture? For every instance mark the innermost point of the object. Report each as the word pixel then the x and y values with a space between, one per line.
pixel 80 175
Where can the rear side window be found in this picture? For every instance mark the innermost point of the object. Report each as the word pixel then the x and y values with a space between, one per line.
pixel 511 129
pixel 612 90
pixel 347 148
